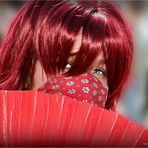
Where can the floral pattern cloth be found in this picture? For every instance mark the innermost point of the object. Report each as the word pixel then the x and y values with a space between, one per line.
pixel 85 87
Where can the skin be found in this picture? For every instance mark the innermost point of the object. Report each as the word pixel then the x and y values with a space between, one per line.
pixel 98 67
pixel 39 76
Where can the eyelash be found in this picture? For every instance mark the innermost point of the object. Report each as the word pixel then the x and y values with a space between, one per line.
pixel 95 71
pixel 99 72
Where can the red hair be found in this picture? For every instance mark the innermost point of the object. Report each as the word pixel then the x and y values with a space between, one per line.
pixel 47 30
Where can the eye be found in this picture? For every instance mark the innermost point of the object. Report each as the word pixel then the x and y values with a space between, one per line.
pixel 68 66
pixel 99 72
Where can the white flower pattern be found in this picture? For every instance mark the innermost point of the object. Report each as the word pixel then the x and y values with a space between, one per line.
pixel 84 81
pixel 100 98
pixel 94 92
pixel 70 83
pixel 53 81
pixel 84 74
pixel 59 93
pixel 72 91
pixel 85 89
pixel 102 92
pixel 95 85
pixel 103 104
pixel 55 87
pixel 67 78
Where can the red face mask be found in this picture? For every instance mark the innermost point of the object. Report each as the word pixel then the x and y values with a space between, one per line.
pixel 85 87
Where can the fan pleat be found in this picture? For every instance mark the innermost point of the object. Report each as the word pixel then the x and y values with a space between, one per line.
pixel 131 135
pixel 31 118
pixel 4 121
pixel 93 120
pixel 143 140
pixel 103 129
pixel 118 131
pixel 77 125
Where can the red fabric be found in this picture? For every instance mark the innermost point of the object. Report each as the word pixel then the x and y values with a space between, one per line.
pixel 85 87
pixel 32 118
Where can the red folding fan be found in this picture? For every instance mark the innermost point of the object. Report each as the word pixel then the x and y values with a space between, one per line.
pixel 31 118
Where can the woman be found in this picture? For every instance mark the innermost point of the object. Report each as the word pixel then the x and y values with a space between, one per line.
pixel 48 39
pixel 81 49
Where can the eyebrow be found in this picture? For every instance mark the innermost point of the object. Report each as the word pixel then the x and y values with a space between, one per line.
pixel 102 62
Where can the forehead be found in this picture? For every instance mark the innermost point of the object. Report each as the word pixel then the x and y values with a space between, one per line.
pixel 76 46
pixel 100 60
pixel 78 42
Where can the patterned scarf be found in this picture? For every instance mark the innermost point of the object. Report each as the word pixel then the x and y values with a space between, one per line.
pixel 85 87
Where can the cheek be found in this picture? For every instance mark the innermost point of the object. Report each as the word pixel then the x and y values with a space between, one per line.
pixel 104 82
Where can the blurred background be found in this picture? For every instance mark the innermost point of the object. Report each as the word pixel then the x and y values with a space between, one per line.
pixel 134 102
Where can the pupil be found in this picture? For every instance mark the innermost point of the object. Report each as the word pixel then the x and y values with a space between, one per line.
pixel 99 72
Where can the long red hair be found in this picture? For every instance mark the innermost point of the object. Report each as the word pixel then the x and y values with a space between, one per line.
pixel 47 30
